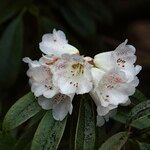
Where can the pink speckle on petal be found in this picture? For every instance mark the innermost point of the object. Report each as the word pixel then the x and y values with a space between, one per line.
pixel 61 65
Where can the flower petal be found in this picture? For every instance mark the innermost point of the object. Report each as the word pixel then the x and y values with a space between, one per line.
pixel 56 44
pixel 97 75
pixel 62 106
pixel 84 86
pixel 41 77
pixel 100 121
pixel 31 63
pixel 45 103
pixel 102 111
pixel 71 74
pixel 104 61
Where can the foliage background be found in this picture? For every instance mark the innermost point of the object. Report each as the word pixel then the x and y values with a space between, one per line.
pixel 91 26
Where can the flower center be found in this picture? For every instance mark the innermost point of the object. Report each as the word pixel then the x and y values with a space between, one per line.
pixel 77 69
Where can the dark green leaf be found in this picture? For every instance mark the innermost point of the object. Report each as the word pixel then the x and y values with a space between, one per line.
pixel 33 10
pixel 139 95
pixel 122 117
pixel 22 110
pixel 115 142
pixel 73 123
pixel 9 10
pixel 78 18
pixel 139 111
pixel 85 130
pixel 48 133
pixel 48 24
pixel 6 15
pixel 132 145
pixel 11 44
pixel 145 146
pixel 36 118
pixel 142 131
pixel 143 139
pixel 26 138
pixel 141 123
pixel 102 135
pixel 6 141
pixel 142 135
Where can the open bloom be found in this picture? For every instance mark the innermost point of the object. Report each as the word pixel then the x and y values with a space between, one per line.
pixel 112 88
pixel 40 77
pixel 122 57
pixel 60 104
pixel 42 86
pixel 114 78
pixel 56 44
pixel 56 77
pixel 72 74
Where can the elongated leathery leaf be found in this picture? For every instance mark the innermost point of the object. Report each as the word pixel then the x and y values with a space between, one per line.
pixel 6 141
pixel 122 117
pixel 85 130
pixel 139 111
pixel 22 110
pixel 139 95
pixel 11 44
pixel 115 142
pixel 26 138
pixel 48 133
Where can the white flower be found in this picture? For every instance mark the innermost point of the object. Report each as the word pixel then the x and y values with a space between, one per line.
pixel 60 105
pixel 110 77
pixel 111 89
pixel 41 77
pixel 114 78
pixel 56 44
pixel 72 74
pixel 122 57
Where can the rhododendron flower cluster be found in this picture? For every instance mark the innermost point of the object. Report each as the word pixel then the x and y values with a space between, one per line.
pixel 110 77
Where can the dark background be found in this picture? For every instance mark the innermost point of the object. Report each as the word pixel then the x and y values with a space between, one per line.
pixel 92 26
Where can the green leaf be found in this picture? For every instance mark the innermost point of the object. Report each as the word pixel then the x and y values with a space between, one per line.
pixel 142 131
pixel 9 10
pixel 73 123
pixel 115 142
pixel 85 130
pixel 48 24
pixel 139 95
pixel 139 111
pixel 122 117
pixel 36 117
pixel 144 146
pixel 142 135
pixel 22 110
pixel 6 15
pixel 132 145
pixel 11 44
pixel 102 135
pixel 26 138
pixel 6 141
pixel 141 123
pixel 78 18
pixel 48 133
pixel 34 10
